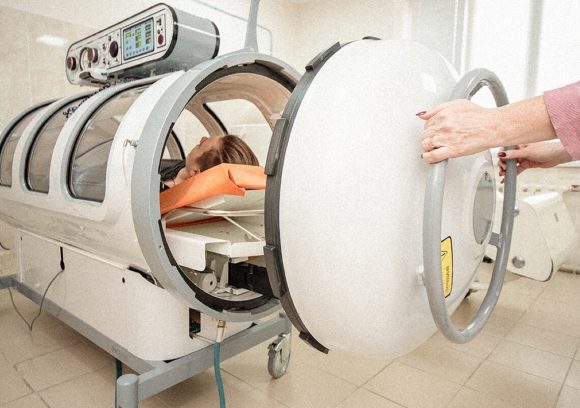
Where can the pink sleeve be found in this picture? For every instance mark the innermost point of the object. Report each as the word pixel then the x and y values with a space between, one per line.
pixel 563 105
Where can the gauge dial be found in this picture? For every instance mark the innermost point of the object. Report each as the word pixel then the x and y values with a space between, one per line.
pixel 84 59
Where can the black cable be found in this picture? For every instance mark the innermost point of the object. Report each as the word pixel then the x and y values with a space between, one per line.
pixel 68 113
pixel 3 247
pixel 31 324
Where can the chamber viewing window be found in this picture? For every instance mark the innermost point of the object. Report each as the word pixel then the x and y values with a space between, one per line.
pixel 242 118
pixel 173 148
pixel 188 130
pixel 38 162
pixel 483 207
pixel 9 146
pixel 237 112
pixel 185 135
pixel 88 167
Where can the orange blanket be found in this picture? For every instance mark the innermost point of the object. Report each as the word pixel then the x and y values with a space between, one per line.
pixel 231 179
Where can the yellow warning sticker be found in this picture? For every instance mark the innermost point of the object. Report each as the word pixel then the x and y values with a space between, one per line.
pixel 447 265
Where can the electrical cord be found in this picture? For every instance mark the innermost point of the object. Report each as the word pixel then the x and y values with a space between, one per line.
pixel 72 109
pixel 31 324
pixel 216 362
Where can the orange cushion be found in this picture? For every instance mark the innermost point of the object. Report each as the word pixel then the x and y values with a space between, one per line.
pixel 225 178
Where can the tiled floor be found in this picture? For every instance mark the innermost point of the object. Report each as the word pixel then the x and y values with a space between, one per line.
pixel 526 357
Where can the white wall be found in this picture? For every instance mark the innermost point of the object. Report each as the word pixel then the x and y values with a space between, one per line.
pixel 439 25
pixel 321 23
pixel 32 70
pixel 559 62
pixel 103 13
pixel 498 40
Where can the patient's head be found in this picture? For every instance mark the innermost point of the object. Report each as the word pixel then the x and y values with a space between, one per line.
pixel 215 150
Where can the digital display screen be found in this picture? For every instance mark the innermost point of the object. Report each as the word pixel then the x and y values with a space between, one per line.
pixel 138 39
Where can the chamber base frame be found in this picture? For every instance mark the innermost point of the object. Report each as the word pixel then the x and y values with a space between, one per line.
pixel 156 376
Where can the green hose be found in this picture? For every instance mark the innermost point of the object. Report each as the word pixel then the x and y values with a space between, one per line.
pixel 218 374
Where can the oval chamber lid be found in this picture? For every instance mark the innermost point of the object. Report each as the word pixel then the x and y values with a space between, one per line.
pixel 344 199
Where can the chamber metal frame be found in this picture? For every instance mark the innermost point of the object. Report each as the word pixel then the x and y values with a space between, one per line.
pixel 156 376
pixel 4 135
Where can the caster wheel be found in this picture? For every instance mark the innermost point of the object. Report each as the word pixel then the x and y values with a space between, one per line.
pixel 279 356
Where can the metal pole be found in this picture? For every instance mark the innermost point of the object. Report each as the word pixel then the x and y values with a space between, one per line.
pixel 533 55
pixel 118 373
pixel 252 29
pixel 268 31
pixel 127 391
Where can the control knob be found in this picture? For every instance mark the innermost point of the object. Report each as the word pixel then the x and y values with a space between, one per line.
pixel 93 55
pixel 71 63
pixel 114 49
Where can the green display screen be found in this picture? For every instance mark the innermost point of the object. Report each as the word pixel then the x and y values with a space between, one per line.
pixel 138 39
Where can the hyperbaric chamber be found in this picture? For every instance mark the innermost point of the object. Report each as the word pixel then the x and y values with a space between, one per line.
pixel 341 234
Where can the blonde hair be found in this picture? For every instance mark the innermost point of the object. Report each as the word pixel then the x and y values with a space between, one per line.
pixel 232 149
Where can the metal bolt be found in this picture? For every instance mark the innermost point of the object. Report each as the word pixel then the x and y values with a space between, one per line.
pixel 519 261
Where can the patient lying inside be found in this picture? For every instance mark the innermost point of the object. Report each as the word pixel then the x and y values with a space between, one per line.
pixel 210 152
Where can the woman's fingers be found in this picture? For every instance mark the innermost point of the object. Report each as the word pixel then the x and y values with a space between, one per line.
pixel 514 154
pixel 427 145
pixel 432 112
pixel 437 155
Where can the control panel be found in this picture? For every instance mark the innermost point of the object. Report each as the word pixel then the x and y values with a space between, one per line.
pixel 158 40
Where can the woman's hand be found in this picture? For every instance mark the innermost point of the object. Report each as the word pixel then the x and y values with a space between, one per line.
pixel 535 155
pixel 459 128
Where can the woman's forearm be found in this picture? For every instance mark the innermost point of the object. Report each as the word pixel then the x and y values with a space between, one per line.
pixel 460 128
pixel 523 122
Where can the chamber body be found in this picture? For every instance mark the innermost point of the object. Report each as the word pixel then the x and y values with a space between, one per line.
pixel 71 189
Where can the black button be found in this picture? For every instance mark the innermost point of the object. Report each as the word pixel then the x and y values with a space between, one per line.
pixel 114 49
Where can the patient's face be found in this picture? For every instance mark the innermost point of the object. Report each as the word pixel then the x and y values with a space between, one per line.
pixel 205 145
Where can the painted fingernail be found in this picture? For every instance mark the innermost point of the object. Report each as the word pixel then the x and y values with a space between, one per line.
pixel 501 154
pixel 421 113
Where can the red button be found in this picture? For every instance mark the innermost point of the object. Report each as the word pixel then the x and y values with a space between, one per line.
pixel 114 49
pixel 71 63
pixel 160 39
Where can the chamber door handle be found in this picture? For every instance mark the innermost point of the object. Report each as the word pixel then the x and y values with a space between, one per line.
pixel 468 86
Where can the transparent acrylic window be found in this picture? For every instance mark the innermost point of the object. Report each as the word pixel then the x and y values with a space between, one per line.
pixel 242 118
pixel 88 169
pixel 9 147
pixel 40 156
pixel 173 148
pixel 188 130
